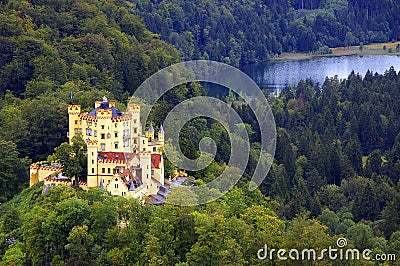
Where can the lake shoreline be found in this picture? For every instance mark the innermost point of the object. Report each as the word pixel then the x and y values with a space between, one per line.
pixel 368 50
pixel 278 74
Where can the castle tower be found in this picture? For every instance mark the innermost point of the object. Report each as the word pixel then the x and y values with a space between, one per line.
pixel 145 164
pixel 161 135
pixel 150 133
pixel 104 129
pixel 161 166
pixel 92 178
pixel 74 121
pixel 136 129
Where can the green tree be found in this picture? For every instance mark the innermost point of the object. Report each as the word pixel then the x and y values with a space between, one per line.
pixel 73 158
pixel 354 153
pixel 103 216
pixel 361 235
pixel 365 204
pixel 374 163
pixel 13 170
pixel 117 257
pixel 394 243
pixel 14 255
pixel 330 219
pixel 158 244
pixel 391 217
pixel 304 233
pixel 213 232
pixel 12 220
pixel 34 235
pixel 79 246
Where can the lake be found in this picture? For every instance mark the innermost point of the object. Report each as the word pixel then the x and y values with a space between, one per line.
pixel 277 75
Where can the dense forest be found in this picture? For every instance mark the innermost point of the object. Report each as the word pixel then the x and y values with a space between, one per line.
pixel 335 174
pixel 52 48
pixel 336 168
pixel 242 32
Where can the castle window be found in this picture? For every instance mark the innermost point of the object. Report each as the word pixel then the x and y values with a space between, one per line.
pixel 135 130
pixel 135 141
pixel 92 161
pixel 144 149
pixel 103 146
pixel 154 149
pixel 76 122
pixel 95 133
pixel 143 142
pixel 80 130
pixel 109 170
pixel 152 172
pixel 92 170
pixel 103 136
pixel 116 186
pixel 89 132
pixel 102 126
pixel 76 131
pixel 116 145
pixel 103 170
pixel 116 134
pixel 135 121
pixel 95 124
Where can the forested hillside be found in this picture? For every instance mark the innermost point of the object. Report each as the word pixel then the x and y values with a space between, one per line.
pixel 335 174
pixel 242 32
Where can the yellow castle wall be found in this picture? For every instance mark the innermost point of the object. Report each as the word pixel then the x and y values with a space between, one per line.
pixel 39 173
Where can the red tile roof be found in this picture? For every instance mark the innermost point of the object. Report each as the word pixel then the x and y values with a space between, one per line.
pixel 116 156
pixel 155 160
pixel 125 157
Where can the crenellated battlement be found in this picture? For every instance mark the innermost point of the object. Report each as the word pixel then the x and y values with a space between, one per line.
pixel 122 118
pixel 98 104
pixel 74 109
pixel 134 106
pixel 92 142
pixel 104 114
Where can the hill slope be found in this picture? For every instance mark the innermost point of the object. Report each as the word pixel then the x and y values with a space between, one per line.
pixel 242 32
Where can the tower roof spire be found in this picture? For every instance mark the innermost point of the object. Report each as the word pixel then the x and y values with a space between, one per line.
pixel 151 128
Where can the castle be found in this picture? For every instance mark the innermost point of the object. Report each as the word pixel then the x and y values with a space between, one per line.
pixel 120 158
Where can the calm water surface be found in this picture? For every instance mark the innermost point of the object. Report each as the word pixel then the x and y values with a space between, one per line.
pixel 276 75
